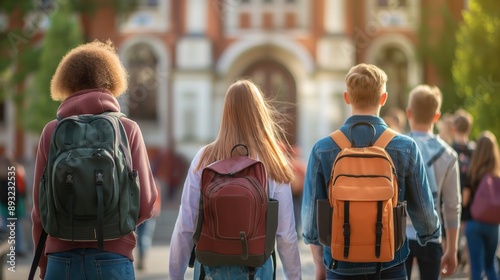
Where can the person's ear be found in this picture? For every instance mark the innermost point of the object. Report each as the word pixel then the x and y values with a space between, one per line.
pixel 346 98
pixel 383 98
pixel 408 113
pixel 436 117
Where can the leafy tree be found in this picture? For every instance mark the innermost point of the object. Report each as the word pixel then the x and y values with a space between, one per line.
pixel 21 52
pixel 63 34
pixel 438 48
pixel 476 68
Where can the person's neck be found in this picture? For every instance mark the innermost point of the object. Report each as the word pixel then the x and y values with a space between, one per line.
pixel 365 111
pixel 461 139
pixel 423 128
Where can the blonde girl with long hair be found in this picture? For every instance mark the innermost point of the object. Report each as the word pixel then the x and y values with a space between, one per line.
pixel 248 119
pixel 482 238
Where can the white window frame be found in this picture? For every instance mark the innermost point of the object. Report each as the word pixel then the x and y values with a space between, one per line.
pixel 158 18
pixel 394 16
pixel 231 10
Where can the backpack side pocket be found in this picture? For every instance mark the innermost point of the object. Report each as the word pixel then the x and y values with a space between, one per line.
pixel 400 215
pixel 324 221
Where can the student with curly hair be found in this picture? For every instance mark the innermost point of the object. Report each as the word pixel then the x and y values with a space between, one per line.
pixel 88 80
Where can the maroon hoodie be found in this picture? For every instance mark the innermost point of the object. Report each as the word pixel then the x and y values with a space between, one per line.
pixel 94 101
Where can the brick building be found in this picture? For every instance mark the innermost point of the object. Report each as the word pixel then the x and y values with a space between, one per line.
pixel 182 55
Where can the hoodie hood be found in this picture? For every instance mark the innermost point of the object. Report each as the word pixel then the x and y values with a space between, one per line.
pixel 92 101
pixel 429 144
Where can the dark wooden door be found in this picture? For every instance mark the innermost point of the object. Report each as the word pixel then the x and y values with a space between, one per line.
pixel 278 84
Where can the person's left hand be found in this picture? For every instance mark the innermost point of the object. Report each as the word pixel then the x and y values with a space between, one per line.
pixel 449 262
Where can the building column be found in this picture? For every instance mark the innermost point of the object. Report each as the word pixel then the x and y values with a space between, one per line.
pixel 196 16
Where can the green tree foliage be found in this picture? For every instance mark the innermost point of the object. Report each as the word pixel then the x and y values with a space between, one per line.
pixel 63 34
pixel 21 50
pixel 476 68
pixel 438 48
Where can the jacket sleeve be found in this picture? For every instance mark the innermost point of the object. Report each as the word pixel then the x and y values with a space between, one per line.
pixel 314 188
pixel 420 201
pixel 451 196
pixel 40 164
pixel 140 162
pixel 286 235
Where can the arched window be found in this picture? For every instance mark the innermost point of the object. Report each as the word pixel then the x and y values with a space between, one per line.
pixel 142 64
pixel 395 64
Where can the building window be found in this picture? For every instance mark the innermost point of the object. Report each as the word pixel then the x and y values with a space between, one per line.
pixel 150 15
pixel 269 15
pixel 190 116
pixel 143 82
pixel 394 13
pixel 45 5
pixel 392 3
pixel 4 21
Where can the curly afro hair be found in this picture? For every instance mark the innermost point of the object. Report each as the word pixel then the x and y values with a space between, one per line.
pixel 88 66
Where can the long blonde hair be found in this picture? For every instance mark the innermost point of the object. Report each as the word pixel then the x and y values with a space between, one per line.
pixel 485 159
pixel 248 119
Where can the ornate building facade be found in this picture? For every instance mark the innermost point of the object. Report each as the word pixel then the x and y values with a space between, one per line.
pixel 182 55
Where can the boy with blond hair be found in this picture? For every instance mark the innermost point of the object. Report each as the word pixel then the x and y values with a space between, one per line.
pixel 423 112
pixel 366 94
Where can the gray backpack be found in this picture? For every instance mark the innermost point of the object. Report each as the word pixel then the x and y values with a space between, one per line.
pixel 88 191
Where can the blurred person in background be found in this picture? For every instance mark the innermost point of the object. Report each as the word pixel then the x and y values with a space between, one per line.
pixel 482 238
pixel 444 127
pixel 461 125
pixel 395 118
pixel 145 231
pixel 297 184
pixel 13 177
pixel 423 112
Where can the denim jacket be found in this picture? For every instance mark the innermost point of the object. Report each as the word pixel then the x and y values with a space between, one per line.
pixel 412 183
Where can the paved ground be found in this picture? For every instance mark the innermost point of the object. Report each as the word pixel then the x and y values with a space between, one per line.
pixel 157 260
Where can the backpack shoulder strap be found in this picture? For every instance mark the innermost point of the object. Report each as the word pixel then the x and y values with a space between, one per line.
pixel 435 157
pixel 341 140
pixel 385 138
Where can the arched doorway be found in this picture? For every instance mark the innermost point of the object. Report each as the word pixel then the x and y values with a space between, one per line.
pixel 278 84
pixel 395 64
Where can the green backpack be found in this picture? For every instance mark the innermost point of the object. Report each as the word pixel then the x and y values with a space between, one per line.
pixel 88 191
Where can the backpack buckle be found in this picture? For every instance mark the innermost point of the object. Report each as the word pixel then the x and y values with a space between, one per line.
pixel 347 229
pixel 378 229
pixel 99 177
pixel 69 178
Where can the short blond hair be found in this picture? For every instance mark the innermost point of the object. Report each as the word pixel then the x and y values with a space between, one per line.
pixel 89 66
pixel 365 84
pixel 424 102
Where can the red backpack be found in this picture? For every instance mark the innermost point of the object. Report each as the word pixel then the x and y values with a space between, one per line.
pixel 237 221
pixel 486 203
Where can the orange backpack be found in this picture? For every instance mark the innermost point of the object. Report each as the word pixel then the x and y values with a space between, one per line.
pixel 366 222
